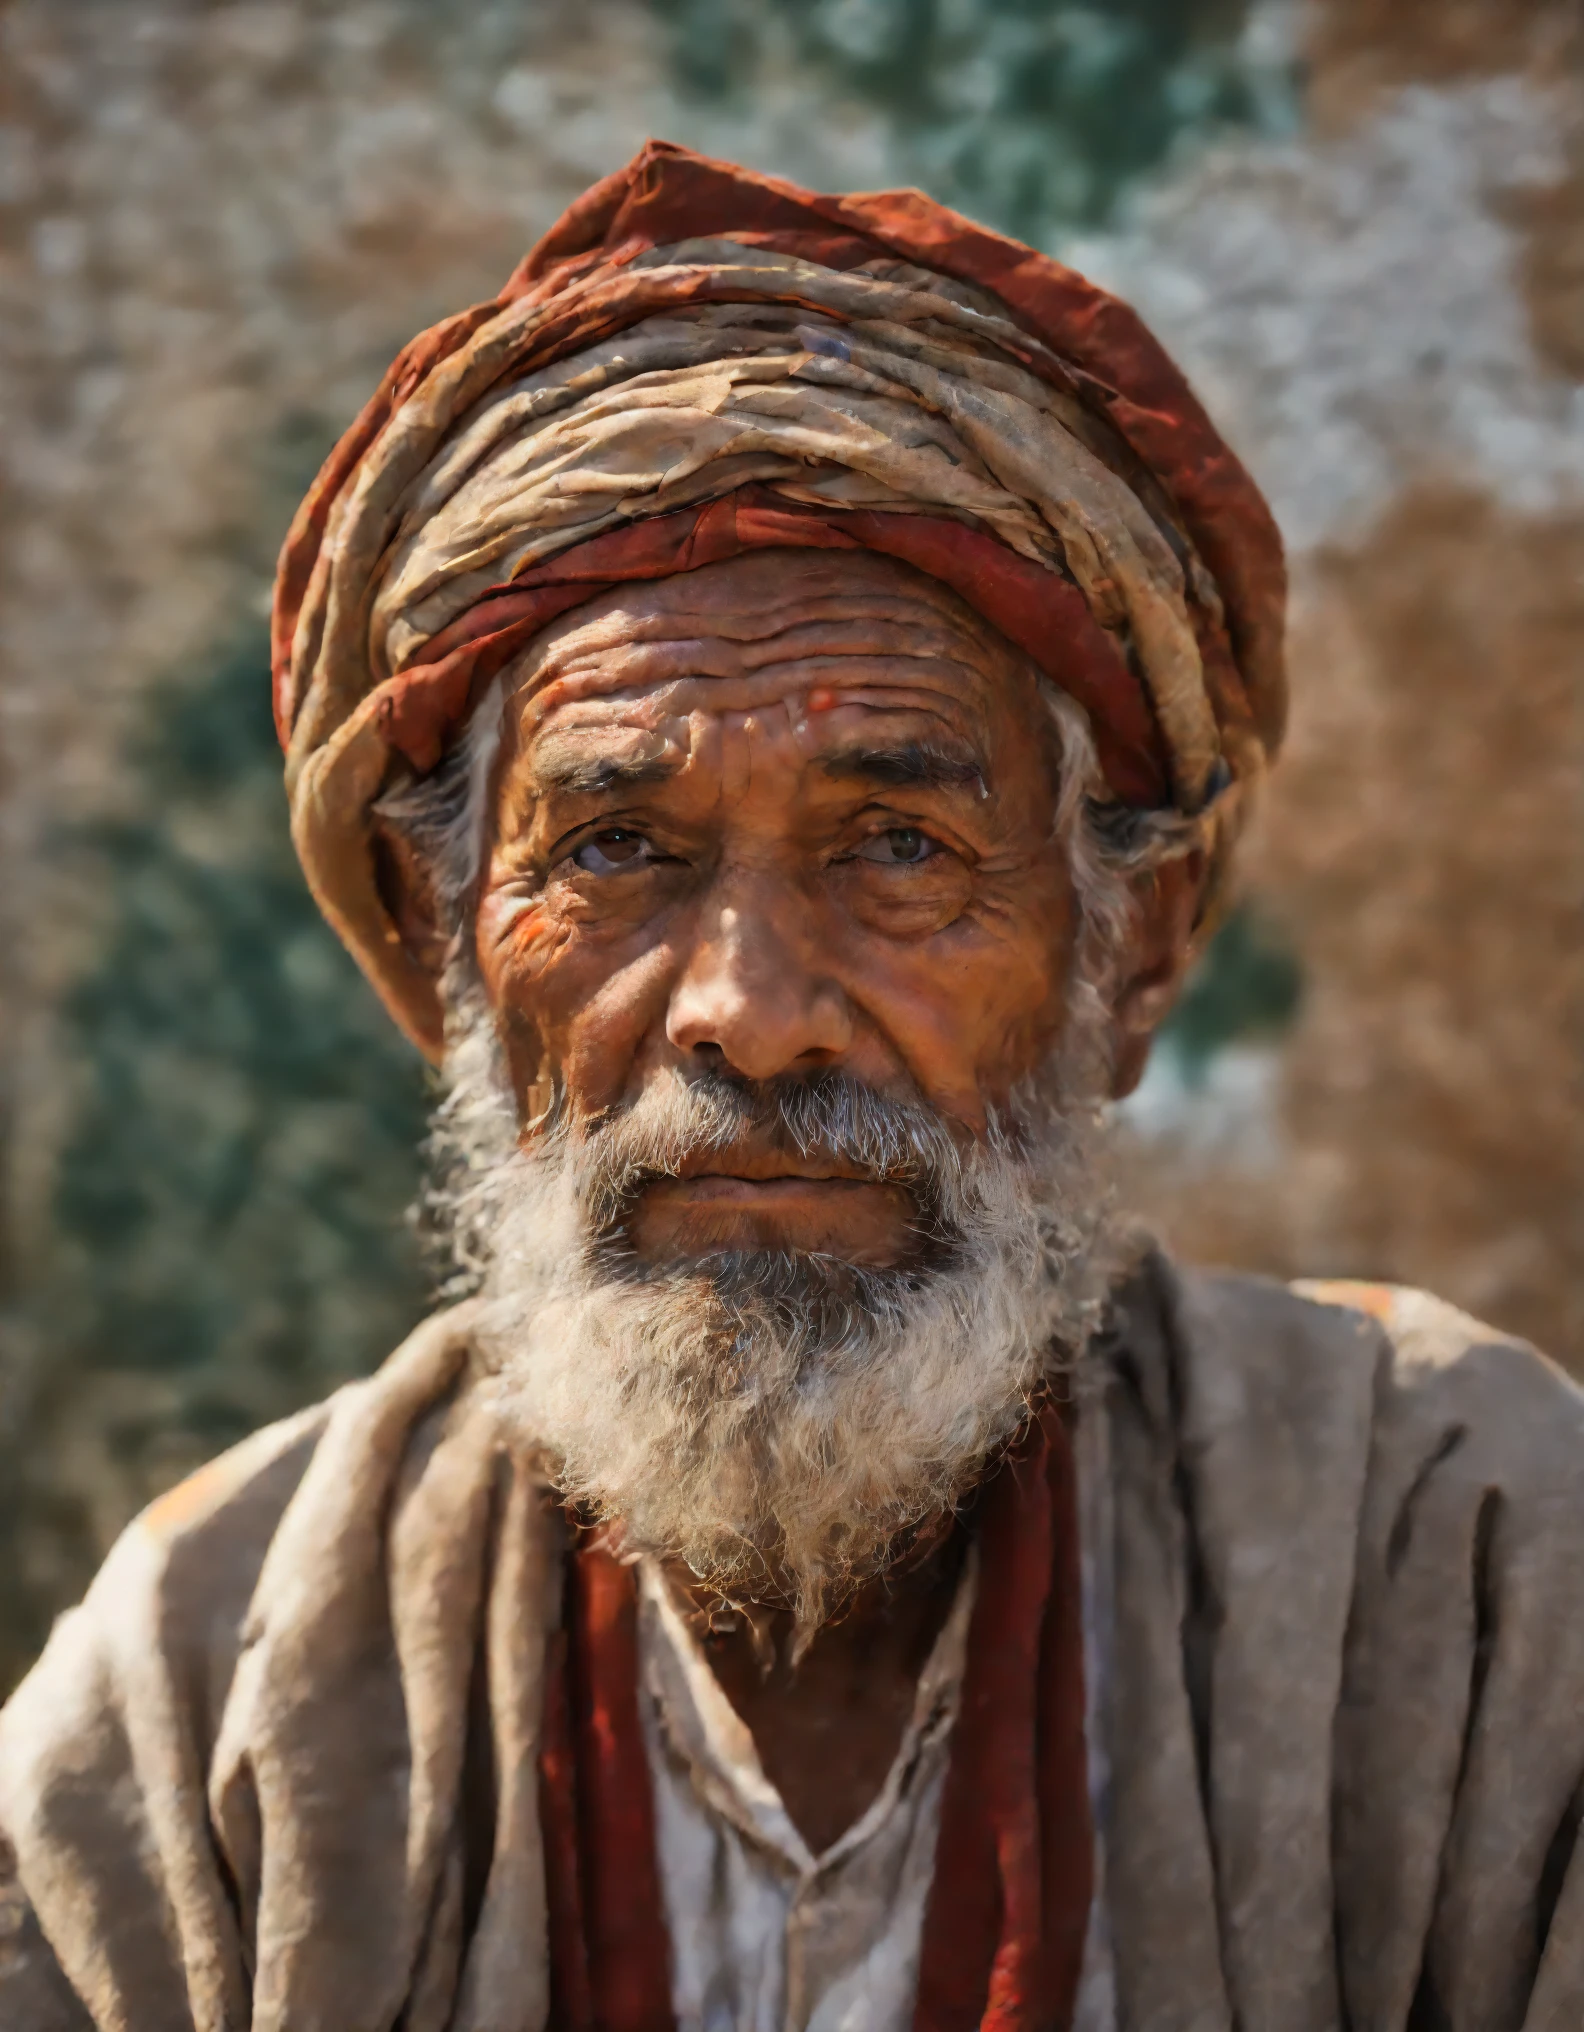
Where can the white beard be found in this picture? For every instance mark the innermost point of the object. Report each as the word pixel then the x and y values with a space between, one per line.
pixel 774 1421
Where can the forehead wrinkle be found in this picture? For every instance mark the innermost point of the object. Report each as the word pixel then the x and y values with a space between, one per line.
pixel 811 657
pixel 655 736
pixel 672 609
pixel 662 649
pixel 909 625
pixel 868 636
pixel 755 619
pixel 876 683
pixel 817 657
pixel 721 634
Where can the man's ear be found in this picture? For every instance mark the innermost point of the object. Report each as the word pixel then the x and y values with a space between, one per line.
pixel 1166 904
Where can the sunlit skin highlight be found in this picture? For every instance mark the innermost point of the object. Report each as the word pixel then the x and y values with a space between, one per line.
pixel 792 812
pixel 773 816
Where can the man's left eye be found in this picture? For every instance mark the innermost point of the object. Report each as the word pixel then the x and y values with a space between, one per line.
pixel 612 851
pixel 900 847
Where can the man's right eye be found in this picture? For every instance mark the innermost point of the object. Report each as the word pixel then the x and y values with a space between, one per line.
pixel 612 852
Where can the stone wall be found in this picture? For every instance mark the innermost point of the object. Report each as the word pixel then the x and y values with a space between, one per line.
pixel 220 221
pixel 1390 314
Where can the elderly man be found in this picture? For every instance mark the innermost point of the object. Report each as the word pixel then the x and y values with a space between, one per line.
pixel 768 700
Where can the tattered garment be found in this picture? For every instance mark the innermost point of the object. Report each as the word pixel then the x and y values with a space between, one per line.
pixel 344 1736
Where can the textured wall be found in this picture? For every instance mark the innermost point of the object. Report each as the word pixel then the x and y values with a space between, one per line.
pixel 1390 314
pixel 222 218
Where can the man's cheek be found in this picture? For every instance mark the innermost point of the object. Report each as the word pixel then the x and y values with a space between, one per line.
pixel 970 1012
pixel 576 1001
pixel 520 939
pixel 611 1029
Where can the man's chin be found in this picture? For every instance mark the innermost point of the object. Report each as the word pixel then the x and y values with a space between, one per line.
pixel 778 1421
pixel 682 1221
pixel 802 1303
pixel 776 1416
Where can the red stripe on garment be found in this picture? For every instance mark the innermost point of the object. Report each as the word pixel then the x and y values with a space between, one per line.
pixel 571 2002
pixel 610 1957
pixel 1044 614
pixel 1008 1910
pixel 1066 1827
pixel 1009 1907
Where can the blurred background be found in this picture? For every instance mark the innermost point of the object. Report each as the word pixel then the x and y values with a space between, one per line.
pixel 1361 229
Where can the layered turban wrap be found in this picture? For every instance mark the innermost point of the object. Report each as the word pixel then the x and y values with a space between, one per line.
pixel 696 362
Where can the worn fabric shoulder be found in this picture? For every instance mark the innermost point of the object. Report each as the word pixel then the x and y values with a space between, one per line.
pixel 1349 1720
pixel 112 1728
pixel 1460 1739
pixel 1239 1428
pixel 34 1995
pixel 1275 1400
pixel 106 1747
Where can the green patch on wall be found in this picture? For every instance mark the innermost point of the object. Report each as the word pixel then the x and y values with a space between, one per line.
pixel 1246 986
pixel 1033 115
pixel 229 1238
pixel 246 1139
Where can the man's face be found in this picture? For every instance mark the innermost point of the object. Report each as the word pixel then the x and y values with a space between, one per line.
pixel 784 1201
pixel 786 815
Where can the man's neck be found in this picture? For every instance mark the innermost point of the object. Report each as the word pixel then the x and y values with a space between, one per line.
pixel 827 1728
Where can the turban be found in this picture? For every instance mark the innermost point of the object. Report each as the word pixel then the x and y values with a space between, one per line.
pixel 696 362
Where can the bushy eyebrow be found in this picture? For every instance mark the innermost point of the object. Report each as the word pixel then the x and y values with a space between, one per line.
pixel 911 765
pixel 586 775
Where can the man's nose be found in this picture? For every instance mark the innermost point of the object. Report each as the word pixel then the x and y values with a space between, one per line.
pixel 751 992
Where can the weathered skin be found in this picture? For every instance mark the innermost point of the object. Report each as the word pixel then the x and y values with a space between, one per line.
pixel 776 815
pixel 790 812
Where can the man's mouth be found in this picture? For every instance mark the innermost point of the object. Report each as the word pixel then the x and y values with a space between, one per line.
pixel 776 1199
pixel 720 1188
pixel 709 1170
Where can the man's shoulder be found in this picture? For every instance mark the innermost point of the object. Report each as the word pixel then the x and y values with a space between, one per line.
pixel 176 1585
pixel 221 1614
pixel 235 1501
pixel 1425 1377
pixel 139 1671
pixel 1477 1400
pixel 179 1581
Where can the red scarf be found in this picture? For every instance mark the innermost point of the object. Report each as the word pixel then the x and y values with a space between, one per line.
pixel 1004 1933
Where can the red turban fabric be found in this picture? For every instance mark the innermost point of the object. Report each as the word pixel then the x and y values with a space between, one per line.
pixel 697 361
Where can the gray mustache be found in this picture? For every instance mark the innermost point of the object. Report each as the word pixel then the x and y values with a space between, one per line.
pixel 827 1116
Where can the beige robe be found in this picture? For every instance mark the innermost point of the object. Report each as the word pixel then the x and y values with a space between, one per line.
pixel 1335 1555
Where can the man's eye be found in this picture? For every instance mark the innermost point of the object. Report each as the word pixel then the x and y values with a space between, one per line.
pixel 901 847
pixel 609 852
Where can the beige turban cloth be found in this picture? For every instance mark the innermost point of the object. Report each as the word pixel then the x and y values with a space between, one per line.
pixel 696 362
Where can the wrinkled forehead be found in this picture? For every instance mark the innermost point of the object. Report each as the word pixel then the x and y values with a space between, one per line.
pixel 763 594
pixel 850 630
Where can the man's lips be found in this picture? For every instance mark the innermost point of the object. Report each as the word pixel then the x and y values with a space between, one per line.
pixel 757 1177
pixel 752 1197
pixel 769 1167
pixel 719 1187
